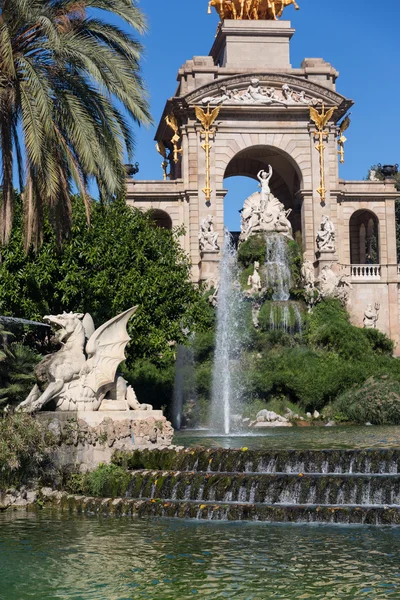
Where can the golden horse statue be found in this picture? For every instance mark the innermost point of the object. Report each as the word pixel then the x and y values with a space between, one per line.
pixel 250 9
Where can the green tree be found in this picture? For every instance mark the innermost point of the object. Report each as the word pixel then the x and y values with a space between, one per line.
pixel 67 77
pixel 122 260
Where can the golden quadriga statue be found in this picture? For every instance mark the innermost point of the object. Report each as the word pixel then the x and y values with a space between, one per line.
pixel 250 9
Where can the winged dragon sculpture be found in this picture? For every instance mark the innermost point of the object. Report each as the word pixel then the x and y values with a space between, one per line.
pixel 83 373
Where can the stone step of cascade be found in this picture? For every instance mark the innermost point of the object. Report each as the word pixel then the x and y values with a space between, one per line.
pixel 332 514
pixel 269 489
pixel 374 461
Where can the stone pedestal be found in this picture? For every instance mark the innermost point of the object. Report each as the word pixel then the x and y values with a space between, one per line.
pixel 253 45
pixel 327 259
pixel 209 266
pixel 86 439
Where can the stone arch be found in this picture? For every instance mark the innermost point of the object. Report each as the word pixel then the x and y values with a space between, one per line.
pixel 161 218
pixel 298 155
pixel 287 179
pixel 364 237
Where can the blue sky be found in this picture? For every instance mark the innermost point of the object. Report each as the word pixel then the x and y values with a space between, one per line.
pixel 361 42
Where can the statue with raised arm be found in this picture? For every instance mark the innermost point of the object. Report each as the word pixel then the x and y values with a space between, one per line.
pixel 264 178
pixel 371 316
pixel 83 373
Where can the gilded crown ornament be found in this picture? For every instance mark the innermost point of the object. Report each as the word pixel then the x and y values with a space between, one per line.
pixel 250 10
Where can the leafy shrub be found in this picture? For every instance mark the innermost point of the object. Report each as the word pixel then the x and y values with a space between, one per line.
pixel 152 383
pixel 377 401
pixel 17 375
pixel 295 261
pixel 25 448
pixel 107 481
pixel 379 342
pixel 252 250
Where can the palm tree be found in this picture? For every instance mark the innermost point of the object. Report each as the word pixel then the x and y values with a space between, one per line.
pixel 69 83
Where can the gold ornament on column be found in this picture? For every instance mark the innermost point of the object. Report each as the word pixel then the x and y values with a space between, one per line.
pixel 172 122
pixel 321 120
pixel 253 10
pixel 207 119
pixel 161 149
pixel 342 139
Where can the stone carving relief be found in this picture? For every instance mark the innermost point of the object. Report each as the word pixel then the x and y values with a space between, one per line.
pixel 371 316
pixel 263 212
pixel 82 375
pixel 334 286
pixel 208 238
pixel 326 236
pixel 255 93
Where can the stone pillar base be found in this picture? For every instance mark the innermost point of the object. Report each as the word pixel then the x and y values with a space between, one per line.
pixel 209 266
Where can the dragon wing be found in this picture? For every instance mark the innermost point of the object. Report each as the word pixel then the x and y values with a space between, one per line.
pixel 315 116
pixel 106 351
pixel 201 116
pixel 172 122
pixel 214 114
pixel 328 116
pixel 161 149
pixel 345 124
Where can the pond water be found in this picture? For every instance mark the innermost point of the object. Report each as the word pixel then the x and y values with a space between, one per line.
pixel 296 438
pixel 46 557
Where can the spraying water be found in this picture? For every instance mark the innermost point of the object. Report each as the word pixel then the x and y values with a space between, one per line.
pixel 227 389
pixel 185 383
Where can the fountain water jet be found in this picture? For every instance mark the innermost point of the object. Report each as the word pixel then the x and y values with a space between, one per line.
pixel 227 388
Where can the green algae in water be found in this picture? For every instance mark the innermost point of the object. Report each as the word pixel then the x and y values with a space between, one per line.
pixel 44 557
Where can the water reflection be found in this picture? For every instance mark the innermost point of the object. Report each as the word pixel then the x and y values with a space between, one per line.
pixel 44 558
pixel 297 438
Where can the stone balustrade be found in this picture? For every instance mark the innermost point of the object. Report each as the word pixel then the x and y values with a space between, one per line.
pixel 365 272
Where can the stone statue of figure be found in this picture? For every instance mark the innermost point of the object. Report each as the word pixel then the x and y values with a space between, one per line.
pixel 283 225
pixel 371 316
pixel 308 274
pixel 254 280
pixel 326 236
pixel 264 178
pixel 208 238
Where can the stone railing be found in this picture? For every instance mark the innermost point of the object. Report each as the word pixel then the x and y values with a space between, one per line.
pixel 365 272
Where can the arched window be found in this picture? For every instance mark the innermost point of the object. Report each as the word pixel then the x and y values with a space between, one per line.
pixel 364 238
pixel 161 219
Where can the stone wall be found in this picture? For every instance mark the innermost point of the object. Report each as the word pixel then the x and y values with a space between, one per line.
pixel 87 439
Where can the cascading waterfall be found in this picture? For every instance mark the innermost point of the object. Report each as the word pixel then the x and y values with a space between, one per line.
pixel 283 314
pixel 185 391
pixel 227 388
pixel 277 267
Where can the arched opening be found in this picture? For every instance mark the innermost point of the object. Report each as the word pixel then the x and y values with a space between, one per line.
pixel 364 238
pixel 241 181
pixel 161 219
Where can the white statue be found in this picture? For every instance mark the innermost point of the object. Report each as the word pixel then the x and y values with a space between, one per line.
pixel 264 178
pixel 83 373
pixel 326 236
pixel 263 212
pixel 254 280
pixel 371 316
pixel 333 286
pixel 208 238
pixel 372 175
pixel 308 274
